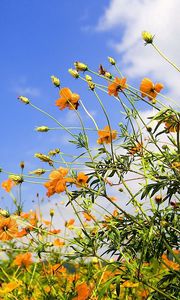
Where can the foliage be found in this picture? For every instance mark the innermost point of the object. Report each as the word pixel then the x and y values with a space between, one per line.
pixel 122 241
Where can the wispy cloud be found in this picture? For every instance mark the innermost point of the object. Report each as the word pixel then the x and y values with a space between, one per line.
pixel 27 91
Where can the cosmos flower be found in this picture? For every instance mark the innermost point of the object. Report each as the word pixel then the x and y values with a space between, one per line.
pixel 67 99
pixel 106 136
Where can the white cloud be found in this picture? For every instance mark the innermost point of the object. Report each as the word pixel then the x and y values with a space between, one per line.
pixel 130 18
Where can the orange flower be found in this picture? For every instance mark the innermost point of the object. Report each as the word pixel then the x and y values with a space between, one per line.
pixel 47 223
pixel 88 216
pixel 83 291
pixel 112 198
pixel 118 85
pixel 170 263
pixel 22 233
pixel 23 260
pixel 135 149
pixel 58 269
pixel 172 123
pixel 81 180
pixel 58 243
pixel 55 231
pixel 9 287
pixel 7 185
pixel 8 228
pixel 70 223
pixel 106 135
pixel 149 89
pixel 172 128
pixel 67 99
pixel 57 183
pixel 24 215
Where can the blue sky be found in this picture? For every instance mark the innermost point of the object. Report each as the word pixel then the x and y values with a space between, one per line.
pixel 44 38
pixel 40 39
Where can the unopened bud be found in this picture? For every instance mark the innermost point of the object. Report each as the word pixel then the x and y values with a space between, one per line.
pixel 51 212
pixel 49 244
pixel 158 199
pixel 111 60
pixel 37 172
pixel 108 75
pixel 88 78
pixel 91 85
pixel 149 128
pixel 42 128
pixel 73 73
pixel 54 152
pixel 16 178
pixel 43 157
pixel 147 37
pixel 95 260
pixel 24 99
pixel 80 66
pixel 22 165
pixel 55 81
pixel 4 213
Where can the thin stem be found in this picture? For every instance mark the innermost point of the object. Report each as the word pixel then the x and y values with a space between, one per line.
pixel 54 119
pixel 165 57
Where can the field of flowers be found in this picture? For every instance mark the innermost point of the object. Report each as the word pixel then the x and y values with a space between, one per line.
pixel 122 183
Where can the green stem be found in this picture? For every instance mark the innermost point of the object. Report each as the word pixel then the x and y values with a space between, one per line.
pixel 165 57
pixel 54 119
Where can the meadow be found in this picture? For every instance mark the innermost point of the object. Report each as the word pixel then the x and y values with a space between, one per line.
pixel 122 182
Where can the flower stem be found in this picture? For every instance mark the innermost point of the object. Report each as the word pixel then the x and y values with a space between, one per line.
pixel 165 57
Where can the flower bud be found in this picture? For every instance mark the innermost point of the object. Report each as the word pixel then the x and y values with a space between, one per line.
pixel 111 60
pixel 49 244
pixel 24 99
pixel 22 165
pixel 108 75
pixel 80 66
pixel 147 37
pixel 43 157
pixel 4 213
pixel 73 73
pixel 55 81
pixel 37 172
pixel 158 199
pixel 88 78
pixel 91 85
pixel 16 178
pixel 95 260
pixel 42 129
pixel 149 128
pixel 51 212
pixel 54 152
